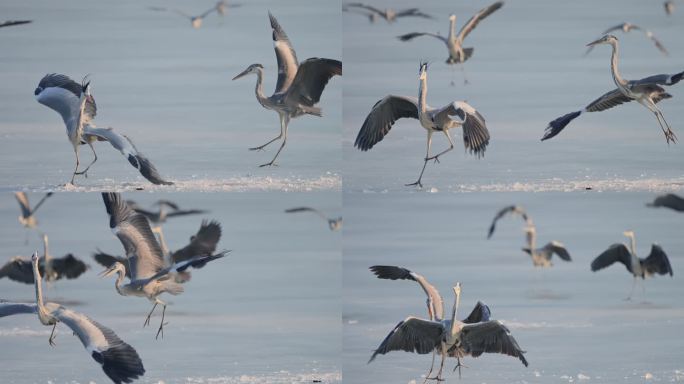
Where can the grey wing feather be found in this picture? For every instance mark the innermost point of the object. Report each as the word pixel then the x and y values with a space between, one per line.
pixel 669 200
pixel 412 12
pixel 306 209
pixel 367 7
pixel 657 262
pixel 381 118
pixel 476 18
pixel 285 54
pixel 8 308
pixel 475 133
pixel 413 35
pixel 490 337
pixel 480 313
pixel 186 212
pixel 615 253
pixel 42 201
pixel 390 272
pixel 24 205
pixel 311 78
pixel 608 100
pixel 412 335
pixel 558 249
pixel 68 267
pixel 503 212
pixel 18 269
pixel 657 42
pixel 202 244
pixel 61 81
pixel 15 22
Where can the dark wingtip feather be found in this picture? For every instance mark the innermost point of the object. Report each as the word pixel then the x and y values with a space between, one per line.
pixel 148 171
pixel 676 78
pixel 391 272
pixel 557 125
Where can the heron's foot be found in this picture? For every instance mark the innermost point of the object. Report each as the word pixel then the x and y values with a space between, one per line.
pixel 436 378
pixel 670 136
pixel 435 158
pixel 51 341
pixel 160 330
pixel 417 183
pixel 459 365
pixel 84 173
pixel 272 163
pixel 259 148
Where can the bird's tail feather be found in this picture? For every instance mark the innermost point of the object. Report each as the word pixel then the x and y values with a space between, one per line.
pixel 171 287
pixel 557 125
pixel 467 52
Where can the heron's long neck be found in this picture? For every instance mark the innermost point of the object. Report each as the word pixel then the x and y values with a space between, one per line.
pixel 452 29
pixel 422 95
pixel 259 89
pixel 42 311
pixel 619 81
pixel 48 259
pixel 454 311
pixel 632 243
pixel 119 279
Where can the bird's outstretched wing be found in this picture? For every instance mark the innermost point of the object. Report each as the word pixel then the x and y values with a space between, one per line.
pixel 285 54
pixel 412 335
pixel 381 118
pixel 476 18
pixel 435 302
pixel 8 308
pixel 68 267
pixel 475 133
pixel 24 205
pixel 662 79
pixel 134 232
pixel 412 12
pixel 124 145
pixel 479 314
pixel 413 35
pixel 41 201
pixel 181 266
pixel 657 262
pixel 207 12
pixel 559 249
pixel 490 337
pixel 669 200
pixel 14 22
pixel 18 269
pixel 202 244
pixel 511 209
pixel 311 78
pixel 366 7
pixel 615 253
pixel 62 94
pixel 106 260
pixel 306 209
pixel 657 42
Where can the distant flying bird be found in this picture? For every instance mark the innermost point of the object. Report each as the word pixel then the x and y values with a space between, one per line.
pixel 450 338
pixel 454 43
pixel 195 21
pixel 388 14
pixel 77 107
pixel 456 114
pixel 628 27
pixel 669 200
pixel 223 6
pixel 148 275
pixel 333 223
pixel 669 7
pixel 299 87
pixel 647 92
pixel 27 218
pixel 53 268
pixel 167 209
pixel 657 261
pixel 14 22
pixel 119 361
pixel 541 257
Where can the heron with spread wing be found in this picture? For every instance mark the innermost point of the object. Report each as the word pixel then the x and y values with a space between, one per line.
pixel 334 223
pixel 670 200
pixel 388 14
pixel 628 27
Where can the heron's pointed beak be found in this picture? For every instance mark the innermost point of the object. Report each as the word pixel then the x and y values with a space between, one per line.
pixel 243 73
pixel 594 43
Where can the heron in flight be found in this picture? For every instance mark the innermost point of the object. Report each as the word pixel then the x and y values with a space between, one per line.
pixel 669 200
pixel 387 111
pixel 390 15
pixel 76 105
pixel 27 218
pixel 167 209
pixel 657 261
pixel 20 268
pixel 119 361
pixel 10 23
pixel 195 21
pixel 541 257
pixel 669 7
pixel 223 6
pixel 299 86
pixel 148 275
pixel 334 223
pixel 628 27
pixel 647 92
pixel 450 338
pixel 454 42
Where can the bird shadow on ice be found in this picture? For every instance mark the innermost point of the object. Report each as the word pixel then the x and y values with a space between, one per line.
pixel 546 294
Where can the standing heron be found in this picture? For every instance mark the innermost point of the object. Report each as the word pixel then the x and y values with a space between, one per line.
pixel 657 261
pixel 299 86
pixel 148 276
pixel 388 14
pixel 334 223
pixel 27 218
pixel 669 200
pixel 647 92
pixel 387 111
pixel 77 107
pixel 450 338
pixel 119 361
pixel 454 42
pixel 10 23
pixel 628 27
pixel 541 257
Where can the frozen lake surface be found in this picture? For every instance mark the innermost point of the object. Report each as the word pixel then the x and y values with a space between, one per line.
pixel 574 324
pixel 267 313
pixel 167 86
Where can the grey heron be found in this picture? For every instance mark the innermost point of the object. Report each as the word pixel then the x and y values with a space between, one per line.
pixel 669 200
pixel 541 257
pixel 148 276
pixel 657 261
pixel 28 218
pixel 77 107
pixel 334 223
pixel 391 108
pixel 669 7
pixel 454 42
pixel 195 21
pixel 647 92
pixel 20 268
pixel 450 338
pixel 223 6
pixel 390 15
pixel 10 23
pixel 299 86
pixel 628 27
pixel 166 210
pixel 119 361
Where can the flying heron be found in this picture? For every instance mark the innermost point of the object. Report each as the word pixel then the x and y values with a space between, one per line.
pixel 20 268
pixel 334 223
pixel 454 43
pixel 391 108
pixel 195 21
pixel 656 262
pixel 119 361
pixel 10 23
pixel 299 86
pixel 223 6
pixel 669 200
pixel 77 107
pixel 390 15
pixel 148 276
pixel 669 7
pixel 27 218
pixel 628 27
pixel 541 257
pixel 647 92
pixel 450 338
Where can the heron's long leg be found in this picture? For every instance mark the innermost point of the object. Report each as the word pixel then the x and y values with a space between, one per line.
pixel 283 130
pixel 285 122
pixel 459 365
pixel 427 158
pixel 465 78
pixel 51 340
pixel 161 325
pixel 664 126
pixel 147 320
pixel 432 366
pixel 77 163
pixel 85 171
pixel 451 146
pixel 632 291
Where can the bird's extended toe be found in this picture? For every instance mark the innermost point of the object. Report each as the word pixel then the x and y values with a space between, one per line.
pixel 268 164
